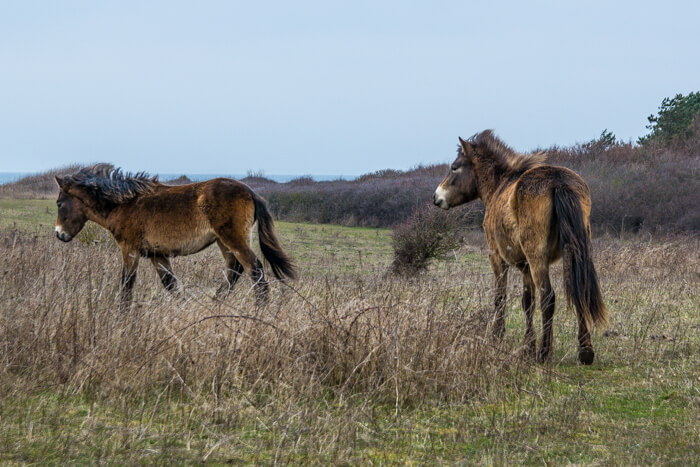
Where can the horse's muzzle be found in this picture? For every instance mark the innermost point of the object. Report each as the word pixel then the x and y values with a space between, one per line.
pixel 64 237
pixel 439 201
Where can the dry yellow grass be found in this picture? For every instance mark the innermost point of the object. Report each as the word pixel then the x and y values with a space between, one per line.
pixel 348 364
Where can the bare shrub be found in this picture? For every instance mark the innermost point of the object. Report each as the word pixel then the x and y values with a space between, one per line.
pixel 428 234
pixel 377 200
pixel 638 188
pixel 181 180
pixel 303 180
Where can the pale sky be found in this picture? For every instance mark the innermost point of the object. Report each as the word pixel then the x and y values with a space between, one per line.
pixel 327 87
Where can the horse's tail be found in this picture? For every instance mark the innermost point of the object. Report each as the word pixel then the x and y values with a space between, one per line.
pixel 281 264
pixel 580 279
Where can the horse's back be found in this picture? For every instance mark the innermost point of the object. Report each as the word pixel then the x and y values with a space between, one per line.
pixel 211 198
pixel 542 180
pixel 534 189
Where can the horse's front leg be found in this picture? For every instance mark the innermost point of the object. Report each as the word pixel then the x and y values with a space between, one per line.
pixel 165 272
pixel 500 271
pixel 130 261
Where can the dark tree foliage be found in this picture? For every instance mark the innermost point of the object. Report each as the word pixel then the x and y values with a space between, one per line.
pixel 674 121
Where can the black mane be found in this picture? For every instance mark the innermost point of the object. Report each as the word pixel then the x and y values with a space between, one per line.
pixel 109 186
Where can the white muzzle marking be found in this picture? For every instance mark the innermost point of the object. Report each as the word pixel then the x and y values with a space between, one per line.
pixel 440 198
pixel 61 234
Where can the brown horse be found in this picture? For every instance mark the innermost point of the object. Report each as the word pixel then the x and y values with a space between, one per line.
pixel 535 214
pixel 157 221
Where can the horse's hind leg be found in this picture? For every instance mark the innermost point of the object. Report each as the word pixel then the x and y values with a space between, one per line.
pixel 540 276
pixel 234 270
pixel 586 355
pixel 165 272
pixel 252 264
pixel 240 248
pixel 528 301
pixel 262 289
pixel 500 271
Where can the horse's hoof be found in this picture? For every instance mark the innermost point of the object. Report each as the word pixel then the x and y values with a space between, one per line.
pixel 544 356
pixel 586 355
pixel 498 332
pixel 528 353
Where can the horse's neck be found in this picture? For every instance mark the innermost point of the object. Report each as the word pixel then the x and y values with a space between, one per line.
pixel 98 218
pixel 488 181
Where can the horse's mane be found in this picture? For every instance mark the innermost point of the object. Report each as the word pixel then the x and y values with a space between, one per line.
pixel 505 157
pixel 109 185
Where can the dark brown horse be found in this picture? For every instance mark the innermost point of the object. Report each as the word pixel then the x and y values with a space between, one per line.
pixel 157 221
pixel 535 214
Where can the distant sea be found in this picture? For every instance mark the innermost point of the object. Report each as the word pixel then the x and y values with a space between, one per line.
pixel 8 177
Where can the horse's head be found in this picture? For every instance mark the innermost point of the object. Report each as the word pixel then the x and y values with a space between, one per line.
pixel 72 211
pixel 459 186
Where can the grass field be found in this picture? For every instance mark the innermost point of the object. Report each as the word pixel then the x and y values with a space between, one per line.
pixel 345 365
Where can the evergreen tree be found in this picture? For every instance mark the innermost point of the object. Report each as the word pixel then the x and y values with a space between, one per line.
pixel 674 119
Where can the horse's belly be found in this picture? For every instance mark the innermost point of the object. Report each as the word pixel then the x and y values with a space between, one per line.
pixel 503 236
pixel 194 245
pixel 513 254
pixel 179 241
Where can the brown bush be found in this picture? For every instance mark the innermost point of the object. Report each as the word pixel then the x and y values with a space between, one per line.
pixel 181 180
pixel 380 199
pixel 637 188
pixel 633 188
pixel 428 234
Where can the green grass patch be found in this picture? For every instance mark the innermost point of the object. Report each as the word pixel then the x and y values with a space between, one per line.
pixel 27 214
pixel 337 247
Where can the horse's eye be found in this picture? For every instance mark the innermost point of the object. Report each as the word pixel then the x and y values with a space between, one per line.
pixel 455 170
pixel 59 204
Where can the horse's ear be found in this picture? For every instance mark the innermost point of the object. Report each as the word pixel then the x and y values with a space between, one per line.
pixel 467 147
pixel 59 181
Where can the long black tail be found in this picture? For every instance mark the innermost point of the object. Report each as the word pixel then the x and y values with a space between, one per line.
pixel 281 264
pixel 580 279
